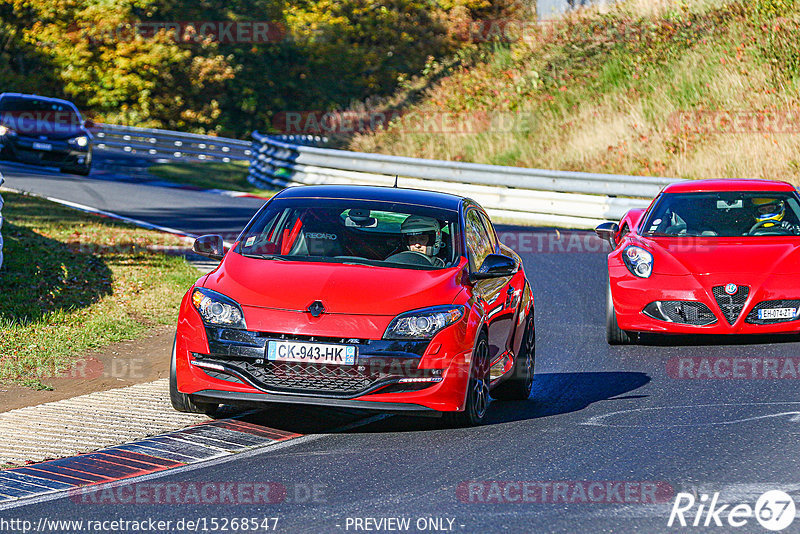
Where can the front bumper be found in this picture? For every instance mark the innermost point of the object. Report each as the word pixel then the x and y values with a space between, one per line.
pixel 232 397
pixel 229 365
pixel 632 295
pixel 62 154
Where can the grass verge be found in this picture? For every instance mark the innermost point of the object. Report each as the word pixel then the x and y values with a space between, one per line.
pixel 209 175
pixel 71 282
pixel 690 88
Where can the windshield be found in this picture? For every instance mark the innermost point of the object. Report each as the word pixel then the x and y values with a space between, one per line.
pixel 34 116
pixel 354 232
pixel 724 214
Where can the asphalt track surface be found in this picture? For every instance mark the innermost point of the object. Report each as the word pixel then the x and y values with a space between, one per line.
pixel 134 195
pixel 597 414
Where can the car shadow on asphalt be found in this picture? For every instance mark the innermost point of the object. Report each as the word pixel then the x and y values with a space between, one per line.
pixel 553 394
pixel 662 340
pixel 561 393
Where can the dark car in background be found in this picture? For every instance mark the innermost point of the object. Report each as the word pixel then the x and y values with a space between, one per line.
pixel 44 131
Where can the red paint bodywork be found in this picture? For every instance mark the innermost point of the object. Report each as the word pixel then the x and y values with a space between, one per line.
pixel 687 268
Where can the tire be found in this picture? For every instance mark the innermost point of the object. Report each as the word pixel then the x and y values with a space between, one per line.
pixel 478 398
pixel 614 334
pixel 518 387
pixel 181 401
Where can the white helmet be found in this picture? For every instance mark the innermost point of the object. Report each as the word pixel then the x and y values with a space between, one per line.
pixel 421 225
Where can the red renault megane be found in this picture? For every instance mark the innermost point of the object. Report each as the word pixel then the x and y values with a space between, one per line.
pixel 370 297
pixel 707 257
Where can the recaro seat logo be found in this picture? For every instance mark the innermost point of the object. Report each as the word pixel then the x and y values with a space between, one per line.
pixel 774 510
pixel 316 235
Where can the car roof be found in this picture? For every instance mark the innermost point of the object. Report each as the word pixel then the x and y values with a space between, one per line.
pixel 38 97
pixel 371 192
pixel 705 186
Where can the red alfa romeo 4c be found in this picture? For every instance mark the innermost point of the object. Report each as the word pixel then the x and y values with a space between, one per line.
pixel 707 257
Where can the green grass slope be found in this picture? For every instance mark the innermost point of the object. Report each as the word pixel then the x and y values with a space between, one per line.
pixel 691 89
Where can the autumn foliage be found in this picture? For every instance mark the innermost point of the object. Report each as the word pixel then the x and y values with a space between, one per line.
pixel 321 54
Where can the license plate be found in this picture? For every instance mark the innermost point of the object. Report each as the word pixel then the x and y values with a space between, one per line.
pixel 297 351
pixel 777 313
pixel 42 146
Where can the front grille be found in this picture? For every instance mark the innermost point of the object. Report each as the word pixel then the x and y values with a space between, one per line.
pixel 731 305
pixel 752 317
pixel 36 156
pixel 681 312
pixel 309 378
pixel 380 362
pixel 313 377
pixel 219 375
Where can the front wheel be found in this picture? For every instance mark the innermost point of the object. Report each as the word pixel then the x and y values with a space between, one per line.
pixel 478 398
pixel 614 334
pixel 519 386
pixel 183 402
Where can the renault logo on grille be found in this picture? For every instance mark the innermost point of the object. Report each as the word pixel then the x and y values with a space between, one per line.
pixel 316 309
pixel 731 289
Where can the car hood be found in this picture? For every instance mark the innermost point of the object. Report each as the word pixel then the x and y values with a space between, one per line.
pixel 714 255
pixel 343 289
pixel 52 132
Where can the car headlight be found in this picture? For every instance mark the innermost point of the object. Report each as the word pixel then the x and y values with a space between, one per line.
pixel 638 261
pixel 81 141
pixel 5 130
pixel 424 323
pixel 217 309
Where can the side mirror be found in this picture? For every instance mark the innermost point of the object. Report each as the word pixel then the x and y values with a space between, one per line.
pixel 210 246
pixel 88 123
pixel 608 232
pixel 496 266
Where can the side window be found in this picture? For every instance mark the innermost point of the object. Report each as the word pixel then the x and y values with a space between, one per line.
pixel 479 244
pixel 489 231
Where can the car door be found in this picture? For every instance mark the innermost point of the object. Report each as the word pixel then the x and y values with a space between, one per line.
pixel 494 292
pixel 512 291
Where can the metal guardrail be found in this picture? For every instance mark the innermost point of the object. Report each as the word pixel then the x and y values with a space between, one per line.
pixel 151 142
pixel 513 194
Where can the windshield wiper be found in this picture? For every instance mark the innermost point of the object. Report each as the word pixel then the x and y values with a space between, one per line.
pixel 661 234
pixel 266 257
pixel 351 260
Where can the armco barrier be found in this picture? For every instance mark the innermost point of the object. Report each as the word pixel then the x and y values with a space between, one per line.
pixel 166 144
pixel 153 143
pixel 513 194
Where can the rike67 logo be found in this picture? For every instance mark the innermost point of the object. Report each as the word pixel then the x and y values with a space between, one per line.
pixel 774 510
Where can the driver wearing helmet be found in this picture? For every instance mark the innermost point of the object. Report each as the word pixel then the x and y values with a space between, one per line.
pixel 423 235
pixel 770 213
